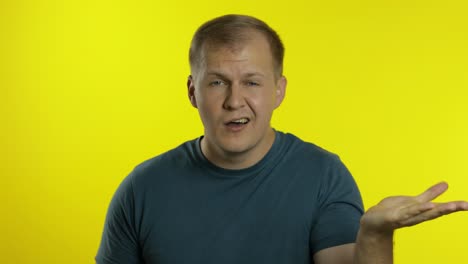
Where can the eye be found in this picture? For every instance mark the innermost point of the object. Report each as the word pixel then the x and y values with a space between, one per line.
pixel 252 83
pixel 217 83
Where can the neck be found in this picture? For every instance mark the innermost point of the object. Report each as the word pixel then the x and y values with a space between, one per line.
pixel 237 160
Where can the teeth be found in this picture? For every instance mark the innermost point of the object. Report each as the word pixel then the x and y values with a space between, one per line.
pixel 241 121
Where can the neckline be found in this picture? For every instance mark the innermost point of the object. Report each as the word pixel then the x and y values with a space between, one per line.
pixel 223 172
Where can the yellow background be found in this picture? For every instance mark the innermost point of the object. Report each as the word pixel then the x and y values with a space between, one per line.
pixel 89 89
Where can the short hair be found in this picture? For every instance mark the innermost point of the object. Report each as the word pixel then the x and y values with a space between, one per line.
pixel 232 30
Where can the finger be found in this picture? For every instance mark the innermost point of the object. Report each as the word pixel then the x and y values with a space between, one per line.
pixel 433 192
pixel 438 211
pixel 413 211
pixel 464 205
pixel 456 205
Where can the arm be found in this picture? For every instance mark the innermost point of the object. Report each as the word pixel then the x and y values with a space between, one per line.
pixel 343 254
pixel 375 238
pixel 119 242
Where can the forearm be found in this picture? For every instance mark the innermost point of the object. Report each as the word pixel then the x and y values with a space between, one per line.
pixel 373 248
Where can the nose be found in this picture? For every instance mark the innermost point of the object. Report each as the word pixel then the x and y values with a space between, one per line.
pixel 234 97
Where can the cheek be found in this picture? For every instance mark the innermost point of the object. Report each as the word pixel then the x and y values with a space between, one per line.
pixel 208 109
pixel 263 104
pixel 262 112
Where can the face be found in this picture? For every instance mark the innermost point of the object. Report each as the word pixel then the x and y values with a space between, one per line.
pixel 235 91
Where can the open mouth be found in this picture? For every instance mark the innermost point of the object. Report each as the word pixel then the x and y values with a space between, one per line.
pixel 238 123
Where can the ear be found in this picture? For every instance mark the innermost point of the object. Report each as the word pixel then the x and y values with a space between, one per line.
pixel 280 90
pixel 191 91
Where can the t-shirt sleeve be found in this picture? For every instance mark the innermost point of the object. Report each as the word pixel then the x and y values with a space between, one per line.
pixel 119 243
pixel 339 211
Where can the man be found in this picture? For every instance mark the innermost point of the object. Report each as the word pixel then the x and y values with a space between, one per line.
pixel 243 192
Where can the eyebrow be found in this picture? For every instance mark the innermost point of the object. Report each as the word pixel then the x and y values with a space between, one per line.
pixel 250 74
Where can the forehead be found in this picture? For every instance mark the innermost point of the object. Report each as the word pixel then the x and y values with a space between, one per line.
pixel 253 51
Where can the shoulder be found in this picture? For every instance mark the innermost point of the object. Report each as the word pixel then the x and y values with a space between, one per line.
pixel 170 162
pixel 169 158
pixel 319 167
pixel 308 152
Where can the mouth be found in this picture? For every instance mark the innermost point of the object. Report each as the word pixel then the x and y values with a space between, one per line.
pixel 239 121
pixel 237 124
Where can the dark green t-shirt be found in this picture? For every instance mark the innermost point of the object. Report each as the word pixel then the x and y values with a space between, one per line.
pixel 180 208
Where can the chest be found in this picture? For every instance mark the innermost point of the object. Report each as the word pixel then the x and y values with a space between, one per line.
pixel 255 220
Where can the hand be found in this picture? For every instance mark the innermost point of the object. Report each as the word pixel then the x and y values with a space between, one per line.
pixel 401 211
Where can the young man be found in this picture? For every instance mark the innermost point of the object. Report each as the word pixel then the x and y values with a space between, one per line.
pixel 243 192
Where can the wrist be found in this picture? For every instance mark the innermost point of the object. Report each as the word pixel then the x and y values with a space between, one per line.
pixel 369 232
pixel 374 246
pixel 375 237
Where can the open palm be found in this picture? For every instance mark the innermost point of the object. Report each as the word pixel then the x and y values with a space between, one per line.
pixel 401 211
